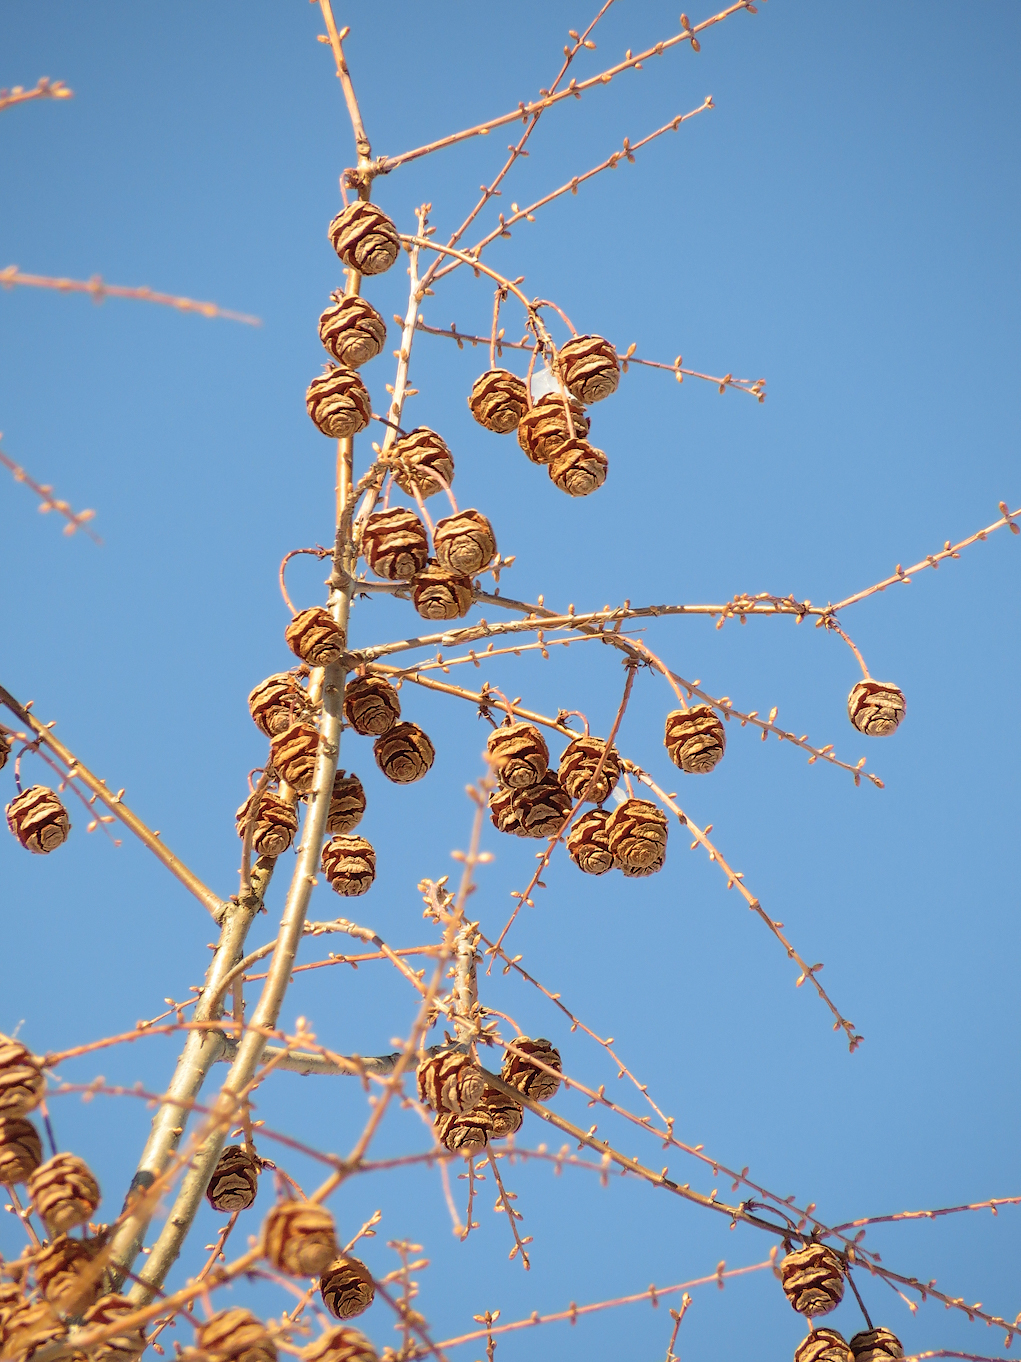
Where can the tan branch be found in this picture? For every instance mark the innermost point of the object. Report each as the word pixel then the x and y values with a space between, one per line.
pixel 45 89
pixel 76 520
pixel 99 290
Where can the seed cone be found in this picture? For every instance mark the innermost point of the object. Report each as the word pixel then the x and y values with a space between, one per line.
pixel 637 833
pixel 347 803
pixel 298 1238
pixel 21 1150
pixel 578 765
pixel 352 330
pixel 813 1280
pixel 422 460
pixel 340 1345
pixel 404 754
pixel 464 542
pixel 695 738
pixel 466 1134
pixel 122 1347
pixel 590 368
pixel 349 864
pixel 11 1299
pixel 528 1078
pixel 542 808
pixel 278 702
pixel 347 1288
pixel 276 824
pixel 364 238
pixel 59 1268
pixel 502 813
pixel 235 1181
pixel 395 544
pixel 28 1328
pixel 518 754
pixel 371 705
pixel 498 400
pixel 876 707
pixel 63 1193
pixel 38 820
pixel 441 595
pixel 21 1079
pixel 5 750
pixel 236 1336
pixel 588 842
pixel 875 1345
pixel 316 637
pixel 544 429
pixel 578 468
pixel 505 1114
pixel 293 754
pixel 823 1345
pixel 450 1083
pixel 339 403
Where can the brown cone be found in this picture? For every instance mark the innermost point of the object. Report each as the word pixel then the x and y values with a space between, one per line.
pixel 5 750
pixel 278 702
pixel 276 824
pixel 544 428
pixel 59 1268
pixel 505 1114
pixel 316 637
pixel 63 1193
pixel 590 368
pixel 694 738
pixel 11 1299
pixel 813 1280
pixel 528 1078
pixel 422 460
pixel 346 805
pixel 464 542
pixel 22 1084
pixel 468 1134
pixel 441 595
pixel 21 1150
pixel 823 1345
pixel 450 1083
pixel 349 864
pixel 347 1288
pixel 28 1328
pixel 578 468
pixel 293 754
pixel 876 707
pixel 578 765
pixel 588 842
pixel 542 808
pixel 637 834
pixel 342 1344
pixel 122 1347
pixel 875 1345
pixel 339 403
pixel 236 1336
pixel 498 400
pixel 364 238
pixel 404 754
pixel 518 754
pixel 502 813
pixel 395 544
pixel 371 705
pixel 298 1237
pixel 38 820
pixel 235 1181
pixel 352 330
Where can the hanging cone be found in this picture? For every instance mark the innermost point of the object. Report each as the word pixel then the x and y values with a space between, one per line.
pixel 371 705
pixel 518 755
pixel 235 1336
pixel 876 707
pixel 122 1347
pixel 278 702
pixel 293 754
pixel 298 1237
pixel 588 842
pixel 813 1280
pixel 502 813
pixel 404 753
pixel 578 468
pixel 450 1083
pixel 542 808
pixel 590 368
pixel 364 238
pixel 528 1078
pixel 38 820
pixel 22 1084
pixel 63 1193
pixel 339 403
pixel 468 1134
pixel 30 1327
pixel 340 1345
pixel 823 1345
pixel 11 1299
pixel 505 1114
pixel 59 1268
pixel 637 832
pixel 694 738
pixel 464 542
pixel 875 1345
pixel 5 750
pixel 498 400
pixel 21 1150
pixel 395 544
pixel 352 330
pixel 544 428
pixel 441 595
pixel 347 1288
pixel 235 1181
pixel 347 803
pixel 316 637
pixel 578 765
pixel 349 864
pixel 276 824
pixel 422 460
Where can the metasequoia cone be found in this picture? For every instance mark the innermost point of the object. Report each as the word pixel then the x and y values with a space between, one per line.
pixel 527 1077
pixel 38 820
pixel 235 1180
pixel 450 1083
pixel 236 1336
pixel 340 1345
pixel 637 835
pixel 21 1079
pixel 422 460
pixel 590 368
pixel 467 1134
pixel 364 238
pixel 5 750
pixel 29 1328
pixel 21 1150
pixel 395 544
pixel 276 824
pixel 876 707
pixel 404 753
pixel 293 754
pixel 352 330
pixel 347 1288
pixel 277 702
pixel 63 1193
pixel 813 1280
pixel 498 400
pixel 518 755
pixel 503 814
pixel 441 595
pixel 316 637
pixel 339 403
pixel 505 1114
pixel 544 428
pixel 578 468
pixel 823 1345
pixel 347 803
pixel 464 542
pixel 298 1238
pixel 371 705
pixel 542 807
pixel 578 765
pixel 588 842
pixel 122 1347
pixel 59 1267
pixel 11 1299
pixel 349 864
pixel 694 738
pixel 875 1345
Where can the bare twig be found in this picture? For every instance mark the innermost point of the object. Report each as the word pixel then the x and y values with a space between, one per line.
pixel 99 290
pixel 76 520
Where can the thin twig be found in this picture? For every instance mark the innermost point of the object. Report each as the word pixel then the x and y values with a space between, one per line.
pixel 99 290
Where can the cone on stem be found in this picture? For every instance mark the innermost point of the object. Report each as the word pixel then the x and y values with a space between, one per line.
pixel 30 1327
pixel 347 1288
pixel 450 1083
pixel 578 764
pixel 695 738
pixel 371 705
pixel 506 1114
pixel 63 1193
pixel 502 813
pixel 21 1150
pixel 464 542
pixel 875 1345
pixel 352 330
pixel 421 460
pixel 347 803
pixel 813 1280
pixel 590 368
pixel 544 428
pixel 123 1346
pixel 588 842
pixel 278 702
pixel 298 1238
pixel 293 754
pixel 637 834
pixel 339 403
pixel 38 819
pixel 466 1134
pixel 22 1083
pixel 349 864
pixel 316 637
pixel 823 1345
pixel 365 238
pixel 59 1268
pixel 438 594
pixel 342 1344
pixel 528 1078
pixel 541 808
pixel 395 544
pixel 235 1180
pixel 498 400
pixel 876 707
pixel 236 1336
pixel 404 753
pixel 518 755
pixel 276 824
pixel 578 468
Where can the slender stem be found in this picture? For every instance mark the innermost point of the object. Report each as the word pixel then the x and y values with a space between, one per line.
pixel 344 76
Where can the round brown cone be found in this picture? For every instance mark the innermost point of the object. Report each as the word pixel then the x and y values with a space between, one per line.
pixel 28 1328
pixel 518 755
pixel 371 705
pixel 588 842
pixel 339 403
pixel 347 1288
pixel 502 813
pixel 529 1078
pixel 637 832
pixel 498 400
pixel 395 544
pixel 441 595
pixel 823 1345
pixel 578 765
pixel 21 1150
pixel 123 1346
pixel 293 754
pixel 876 707
pixel 694 738
pixel 421 460
pixel 467 1134
pixel 11 1299
pixel 364 238
pixel 316 637
pixel 22 1083
pixel 349 864
pixel 813 1280
pixel 342 1344
pixel 276 824
pixel 347 803
pixel 38 819
pixel 63 1193
pixel 542 808
pixel 298 1237
pixel 236 1336
pixel 277 702
pixel 450 1083
pixel 235 1181
pixel 404 754
pixel 59 1268
pixel 875 1345
pixel 578 468
pixel 544 428
pixel 590 368
pixel 505 1114
pixel 464 542
pixel 352 330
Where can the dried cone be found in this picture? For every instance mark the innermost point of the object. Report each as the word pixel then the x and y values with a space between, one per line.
pixel 578 468
pixel 590 368
pixel 122 1347
pixel 875 1345
pixel 876 707
pixel 21 1079
pixel 451 1083
pixel 339 403
pixel 349 864
pixel 395 544
pixel 293 754
pixel 340 1345
pixel 364 238
pixel 694 738
pixel 588 842
pixel 441 595
pixel 347 804
pixel 527 1077
pixel 502 813
pixel 38 820
pixel 466 1134
pixel 371 705
pixel 542 808
pixel 29 1328
pixel 277 702
pixel 11 1299
pixel 276 824
pixel 506 1114
pixel 813 1280
pixel 518 755
pixel 421 460
pixel 498 400
pixel 59 1267
pixel 63 1193
pixel 578 765
pixel 316 637
pixel 21 1150
pixel 235 1181
pixel 544 428
pixel 404 753
pixel 352 330
pixel 236 1336
pixel 823 1345
pixel 464 542
pixel 347 1288
pixel 298 1238
pixel 5 750
pixel 637 835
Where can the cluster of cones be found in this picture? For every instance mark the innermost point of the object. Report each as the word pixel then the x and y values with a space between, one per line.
pixel 469 1112
pixel 813 1281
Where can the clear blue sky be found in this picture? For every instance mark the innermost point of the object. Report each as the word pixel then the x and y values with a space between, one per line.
pixel 845 223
